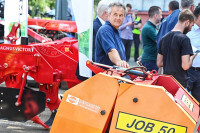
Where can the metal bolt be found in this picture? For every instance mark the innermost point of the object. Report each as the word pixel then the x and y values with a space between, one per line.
pixel 1 93
pixel 1 107
pixel 135 100
pixel 16 24
pixel 103 112
pixel 1 101
pixel 26 69
pixel 16 104
pixel 5 65
pixel 19 110
pixel 36 55
pixel 48 99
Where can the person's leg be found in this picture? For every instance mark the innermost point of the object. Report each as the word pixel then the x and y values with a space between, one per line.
pixel 128 49
pixel 150 65
pixel 146 64
pixel 125 46
pixel 194 83
pixel 136 44
pixel 153 66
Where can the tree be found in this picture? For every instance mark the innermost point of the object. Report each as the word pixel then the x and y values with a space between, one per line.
pixel 39 6
pixel 96 2
pixel 95 7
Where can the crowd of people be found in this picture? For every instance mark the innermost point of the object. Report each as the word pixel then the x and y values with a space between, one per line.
pixel 170 45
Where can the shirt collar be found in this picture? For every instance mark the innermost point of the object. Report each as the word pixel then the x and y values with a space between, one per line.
pixel 108 23
pixel 101 20
pixel 151 23
pixel 195 27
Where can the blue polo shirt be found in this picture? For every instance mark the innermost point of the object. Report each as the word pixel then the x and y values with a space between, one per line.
pixel 108 38
pixel 168 24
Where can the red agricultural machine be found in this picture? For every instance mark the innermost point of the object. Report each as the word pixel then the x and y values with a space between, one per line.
pixel 47 62
pixel 53 29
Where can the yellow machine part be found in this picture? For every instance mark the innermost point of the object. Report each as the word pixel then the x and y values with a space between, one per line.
pixel 148 109
pixel 87 107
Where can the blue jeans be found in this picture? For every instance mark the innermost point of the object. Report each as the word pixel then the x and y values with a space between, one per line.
pixel 194 83
pixel 150 65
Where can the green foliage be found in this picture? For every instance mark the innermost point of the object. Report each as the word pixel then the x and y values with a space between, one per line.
pixel 133 50
pixel 95 7
pixel 40 5
pixel 96 2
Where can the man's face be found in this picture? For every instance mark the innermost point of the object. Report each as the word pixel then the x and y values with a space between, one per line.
pixel 136 12
pixel 116 16
pixel 198 21
pixel 128 9
pixel 158 17
pixel 188 28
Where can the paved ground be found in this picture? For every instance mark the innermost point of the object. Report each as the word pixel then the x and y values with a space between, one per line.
pixel 27 127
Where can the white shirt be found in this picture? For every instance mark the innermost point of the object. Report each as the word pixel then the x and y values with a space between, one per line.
pixel 101 20
pixel 194 36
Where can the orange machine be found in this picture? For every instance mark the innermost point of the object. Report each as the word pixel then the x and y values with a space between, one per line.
pixel 114 104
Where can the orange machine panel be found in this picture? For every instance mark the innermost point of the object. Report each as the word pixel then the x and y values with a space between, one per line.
pixel 149 109
pixel 87 107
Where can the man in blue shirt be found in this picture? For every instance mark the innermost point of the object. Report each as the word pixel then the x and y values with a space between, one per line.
pixel 109 48
pixel 126 31
pixel 194 71
pixel 170 21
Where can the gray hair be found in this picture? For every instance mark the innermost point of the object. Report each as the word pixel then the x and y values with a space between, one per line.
pixel 118 4
pixel 186 3
pixel 101 8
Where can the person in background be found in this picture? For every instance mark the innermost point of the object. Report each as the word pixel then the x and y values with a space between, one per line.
pixel 126 31
pixel 136 34
pixel 149 34
pixel 109 47
pixel 170 21
pixel 194 71
pixel 175 53
pixel 173 5
pixel 102 15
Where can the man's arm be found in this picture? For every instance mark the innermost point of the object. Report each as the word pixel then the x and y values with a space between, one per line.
pixel 160 60
pixel 138 26
pixel 152 34
pixel 187 61
pixel 115 58
pixel 123 26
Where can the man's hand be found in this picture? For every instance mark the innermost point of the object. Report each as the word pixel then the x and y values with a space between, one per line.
pixel 129 23
pixel 115 59
pixel 122 63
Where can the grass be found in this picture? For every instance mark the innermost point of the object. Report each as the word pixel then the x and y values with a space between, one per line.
pixel 133 50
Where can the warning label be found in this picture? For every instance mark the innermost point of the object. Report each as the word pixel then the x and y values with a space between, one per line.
pixel 187 102
pixel 138 124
